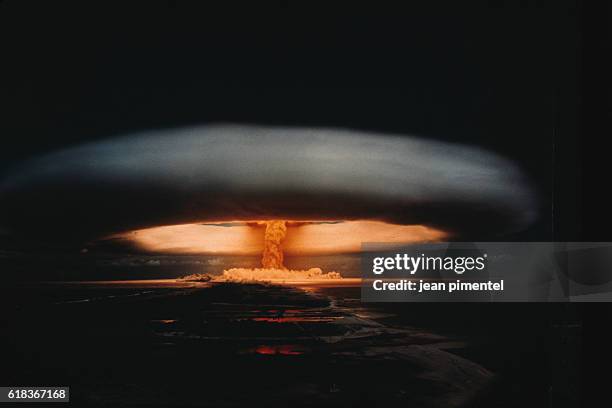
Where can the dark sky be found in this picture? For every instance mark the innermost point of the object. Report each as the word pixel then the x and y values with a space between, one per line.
pixel 499 77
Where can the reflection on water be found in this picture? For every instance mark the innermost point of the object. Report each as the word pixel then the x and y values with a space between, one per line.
pixel 279 349
pixel 153 332
pixel 296 319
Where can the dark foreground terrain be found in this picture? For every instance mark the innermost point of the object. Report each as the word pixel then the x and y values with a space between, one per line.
pixel 184 345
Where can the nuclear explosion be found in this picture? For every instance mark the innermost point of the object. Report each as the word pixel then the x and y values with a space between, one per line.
pixel 272 259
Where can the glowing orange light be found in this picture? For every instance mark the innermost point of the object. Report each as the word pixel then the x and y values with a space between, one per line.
pixel 302 237
pixel 283 349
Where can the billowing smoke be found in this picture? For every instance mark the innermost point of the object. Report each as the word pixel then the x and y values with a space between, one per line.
pixel 218 173
pixel 273 251
pixel 272 261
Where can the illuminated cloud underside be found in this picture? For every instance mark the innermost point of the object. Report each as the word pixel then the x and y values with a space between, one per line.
pixel 244 239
